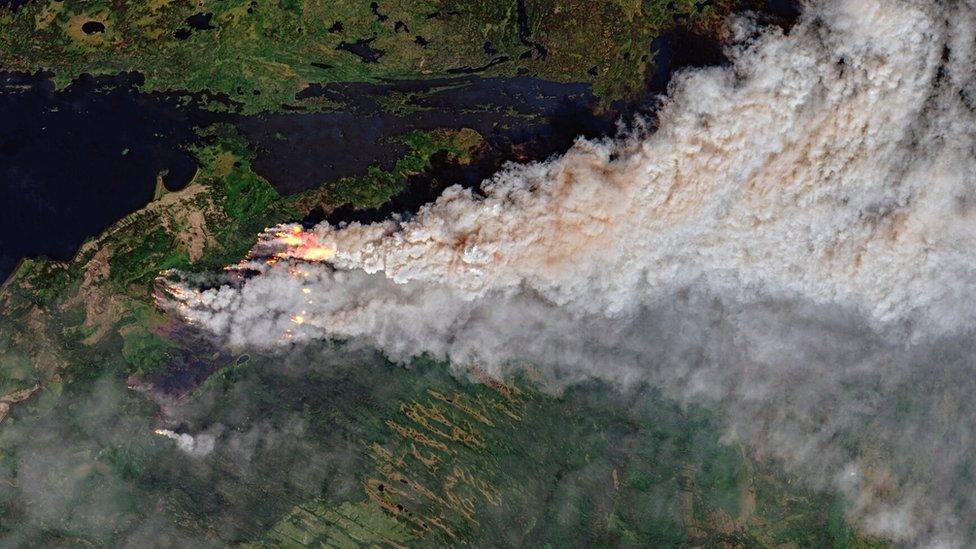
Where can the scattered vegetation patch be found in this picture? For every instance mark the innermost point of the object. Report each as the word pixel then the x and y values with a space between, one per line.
pixel 236 48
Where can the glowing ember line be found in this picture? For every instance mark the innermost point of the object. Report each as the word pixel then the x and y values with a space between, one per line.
pixel 317 253
pixel 299 244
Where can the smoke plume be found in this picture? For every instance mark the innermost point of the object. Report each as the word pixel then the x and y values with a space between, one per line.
pixel 793 243
pixel 197 446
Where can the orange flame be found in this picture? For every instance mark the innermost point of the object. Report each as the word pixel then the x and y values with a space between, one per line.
pixel 302 245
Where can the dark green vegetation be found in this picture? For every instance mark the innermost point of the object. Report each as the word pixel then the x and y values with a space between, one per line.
pixel 330 445
pixel 341 449
pixel 102 299
pixel 259 54
pixel 325 445
pixel 377 186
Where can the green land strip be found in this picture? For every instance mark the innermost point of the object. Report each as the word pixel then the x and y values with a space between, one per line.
pixel 337 451
pixel 259 54
pixel 100 303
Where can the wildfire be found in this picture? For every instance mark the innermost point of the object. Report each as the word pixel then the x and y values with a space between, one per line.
pixel 317 253
pixel 298 319
pixel 176 291
pixel 293 238
pixel 302 245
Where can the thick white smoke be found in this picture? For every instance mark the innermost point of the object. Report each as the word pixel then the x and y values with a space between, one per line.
pixel 796 242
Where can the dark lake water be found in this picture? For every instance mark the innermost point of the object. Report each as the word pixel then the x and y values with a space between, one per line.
pixel 296 150
pixel 520 118
pixel 12 4
pixel 73 162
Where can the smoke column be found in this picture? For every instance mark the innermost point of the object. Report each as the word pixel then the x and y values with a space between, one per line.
pixel 795 244
pixel 197 446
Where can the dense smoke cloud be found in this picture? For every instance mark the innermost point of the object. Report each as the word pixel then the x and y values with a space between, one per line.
pixel 794 242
